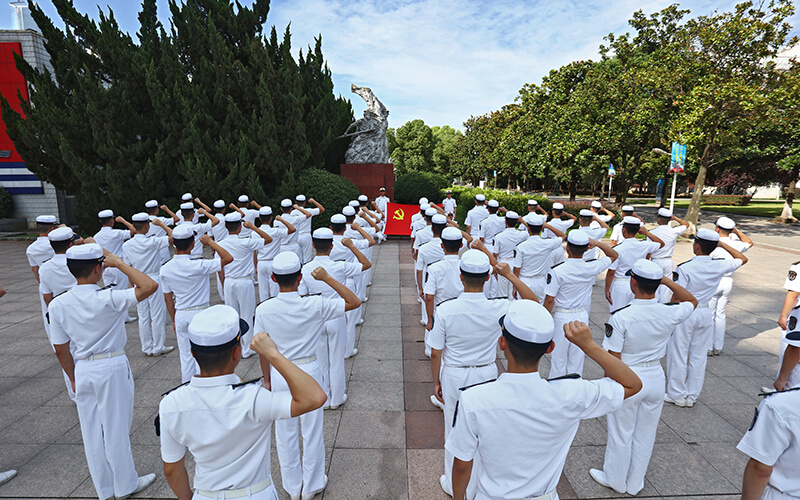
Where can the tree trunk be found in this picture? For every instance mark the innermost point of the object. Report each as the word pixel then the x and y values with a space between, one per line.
pixel 573 189
pixel 693 211
pixel 786 214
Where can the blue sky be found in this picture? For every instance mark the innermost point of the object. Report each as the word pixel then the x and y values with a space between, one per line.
pixel 439 60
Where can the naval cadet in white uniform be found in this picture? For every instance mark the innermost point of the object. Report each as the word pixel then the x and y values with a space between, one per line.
pixel 449 205
pixel 557 255
pixel 533 257
pixel 638 335
pixel 248 214
pixel 112 239
pixel 476 215
pixel 521 426
pixel 90 322
pixel 279 233
pixel 40 250
pixel 663 257
pixel 428 253
pixel 304 224
pixel 226 424
pixel 618 287
pixel 616 231
pixel 151 207
pixel 444 277
pixel 789 321
pixel 505 245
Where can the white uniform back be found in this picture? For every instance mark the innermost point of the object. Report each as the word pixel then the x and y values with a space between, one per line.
pixel 54 276
pixel 560 224
pixel 444 279
pixel 669 235
pixel 630 250
pixel 701 275
pixel 506 243
pixel 304 223
pixel 220 232
pixel 158 231
pixel 341 271
pixel 241 248
pixel 474 218
pixel 112 239
pixel 594 233
pixel 145 253
pixel 295 221
pixel 428 254
pixel 490 227
pixel 250 215
pixel 187 278
pixel 641 331
pixel 39 251
pixel 278 234
pixel 422 236
pixel 735 243
pixel 570 283
pixel 533 255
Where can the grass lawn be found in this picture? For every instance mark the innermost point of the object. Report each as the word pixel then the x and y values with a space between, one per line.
pixel 761 208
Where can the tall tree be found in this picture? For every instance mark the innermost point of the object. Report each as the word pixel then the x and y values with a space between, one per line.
pixel 411 147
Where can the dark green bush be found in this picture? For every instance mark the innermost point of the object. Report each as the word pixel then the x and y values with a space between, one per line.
pixel 512 201
pixel 330 190
pixel 6 204
pixel 409 188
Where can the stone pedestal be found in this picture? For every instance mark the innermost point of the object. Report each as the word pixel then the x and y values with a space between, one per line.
pixel 370 178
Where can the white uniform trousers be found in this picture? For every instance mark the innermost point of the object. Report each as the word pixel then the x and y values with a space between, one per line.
pixel 268 493
pixel 453 379
pixel 306 248
pixel 664 294
pixel 46 321
pixel 240 294
pixel 717 304
pixel 152 313
pixel 112 275
pixel 351 317
pixel 330 356
pixel 220 290
pixel 794 375
pixel 189 366
pixel 104 389
pixel 536 284
pixel 687 355
pixel 266 287
pixel 310 475
pixel 504 287
pixel 632 432
pixel 621 294
pixel 566 357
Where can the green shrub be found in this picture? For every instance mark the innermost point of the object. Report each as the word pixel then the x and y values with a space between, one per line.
pixel 331 191
pixel 725 199
pixel 409 188
pixel 6 204
pixel 512 201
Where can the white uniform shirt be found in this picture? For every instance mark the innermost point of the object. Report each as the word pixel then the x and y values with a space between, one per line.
pixel 158 231
pixel 429 253
pixel 466 329
pixel 145 253
pixel 733 242
pixel 270 250
pixel 241 248
pixel 187 278
pixel 295 323
pixel 54 276
pixel 91 319
pixel 340 252
pixel 774 439
pixel 490 227
pixel 560 224
pixel 444 279
pixel 382 202
pixel 200 229
pixel 341 271
pixel 474 218
pixel 616 233
pixel 220 232
pixel 522 427
pixel 669 235
pixel 112 239
pixel 792 282
pixel 226 429
pixel 291 219
pixel 422 236
pixel 39 252
pixel 570 283
pixel 449 205
pixel 602 217
pixel 304 223
pixel 417 225
pixel 630 250
pixel 506 243
pixel 533 255
pixel 641 330
pixel 250 215
pixel 701 275
pixel 594 233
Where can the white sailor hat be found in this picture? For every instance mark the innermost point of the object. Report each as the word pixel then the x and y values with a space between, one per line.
pixel 475 262
pixel 558 206
pixel 430 212
pixel 60 234
pixel 354 203
pixel 707 234
pixel 300 197
pixel 265 210
pixel 89 251
pixel 529 321
pixel 512 215
pixel 646 269
pixel 438 219
pixel 578 238
pixel 348 211
pixel 151 204
pixel 586 213
pixel 322 233
pixel 597 204
pixel 664 212
pixel 286 263
pixel 187 206
pixel 140 217
pixel 233 217
pixel 480 197
pixel 451 233
pixel 363 197
pixel 286 202
pixel 493 203
pixel 338 219
pixel 423 201
pixel 187 197
pixel 793 328
pixel 627 208
pixel 424 207
pixel 534 219
pixel 726 223
pixel 183 232
pixel 449 191
pixel 383 189
pixel 217 326
pixel 219 204
pixel 532 203
pixel 105 214
pixel 46 219
pixel 629 219
pixel 244 198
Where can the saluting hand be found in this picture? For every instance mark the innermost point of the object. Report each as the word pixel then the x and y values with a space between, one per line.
pixel 320 274
pixel 205 239
pixel 503 269
pixel 263 344
pixel 111 259
pixel 579 334
pixel 248 224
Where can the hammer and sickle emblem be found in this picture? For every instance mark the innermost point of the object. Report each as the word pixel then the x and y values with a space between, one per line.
pixel 399 214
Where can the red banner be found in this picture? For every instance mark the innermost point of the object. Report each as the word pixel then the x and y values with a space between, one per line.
pixel 398 218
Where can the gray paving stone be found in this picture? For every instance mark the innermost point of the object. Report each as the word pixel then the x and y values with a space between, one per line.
pixel 375 396
pixel 41 426
pixel 678 469
pixel 382 320
pixel 424 469
pixel 582 458
pixel 373 370
pixel 54 472
pixel 363 474
pixel 371 429
pixel 381 350
pixel 698 424
pixel 380 333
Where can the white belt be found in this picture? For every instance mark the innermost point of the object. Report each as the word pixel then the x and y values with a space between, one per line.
pixel 646 364
pixel 547 496
pixel 469 366
pixel 661 258
pixel 195 308
pixel 702 305
pixel 239 278
pixel 563 310
pixel 305 361
pixel 238 493
pixel 104 355
pixel 622 278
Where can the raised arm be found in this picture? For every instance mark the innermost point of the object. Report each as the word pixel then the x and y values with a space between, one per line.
pixel 144 285
pixel 555 231
pixel 351 301
pixel 652 237
pixel 289 227
pixel 214 220
pixel 254 204
pixel 316 204
pixel 679 294
pixel 363 233
pixel 202 205
pixel 362 259
pixel 479 245
pixel 504 270
pixel 743 237
pixel 302 210
pixel 224 256
pixel 605 248
pixel 249 225
pixel 170 213
pixel 125 223
pixel 234 207
pixel 602 223
pixel 736 254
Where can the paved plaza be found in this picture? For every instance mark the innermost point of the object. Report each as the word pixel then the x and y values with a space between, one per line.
pixel 387 440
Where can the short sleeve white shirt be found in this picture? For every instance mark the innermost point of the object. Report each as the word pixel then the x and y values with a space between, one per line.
pixel 39 251
pixel 506 242
pixel 735 243
pixel 570 283
pixel 112 239
pixel 490 227
pixel 304 223
pixel 241 248
pixel 594 233
pixel 145 253
pixel 341 252
pixel 630 250
pixel 792 282
pixel 701 275
pixel 429 253
pixel 444 279
pixel 341 271
pixel 474 218
pixel 54 276
pixel 382 202
pixel 291 219
pixel 449 205
pixel 533 255
pixel 187 279
pixel 560 224
pixel 250 215
pixel 669 235
pixel 422 236
pixel 279 234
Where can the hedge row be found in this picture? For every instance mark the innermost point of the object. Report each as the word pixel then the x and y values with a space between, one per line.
pixel 409 188
pixel 725 199
pixel 6 204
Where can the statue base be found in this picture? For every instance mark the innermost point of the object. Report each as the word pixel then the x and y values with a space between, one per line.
pixel 370 177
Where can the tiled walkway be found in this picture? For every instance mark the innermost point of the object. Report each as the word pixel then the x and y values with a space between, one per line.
pixel 386 441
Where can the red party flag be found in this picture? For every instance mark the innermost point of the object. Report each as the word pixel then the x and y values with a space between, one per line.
pixel 398 218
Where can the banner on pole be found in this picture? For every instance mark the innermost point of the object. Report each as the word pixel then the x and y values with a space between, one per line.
pixel 678 158
pixel 611 171
pixel 398 219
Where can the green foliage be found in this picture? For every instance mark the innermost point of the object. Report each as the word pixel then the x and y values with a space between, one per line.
pixel 444 147
pixel 6 204
pixel 331 191
pixel 725 199
pixel 513 201
pixel 418 147
pixel 409 188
